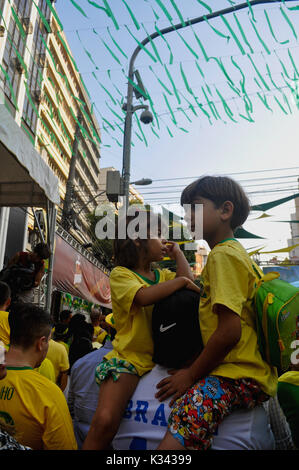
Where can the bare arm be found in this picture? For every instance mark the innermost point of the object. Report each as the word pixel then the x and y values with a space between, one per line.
pixel 152 294
pixel 221 342
pixel 182 265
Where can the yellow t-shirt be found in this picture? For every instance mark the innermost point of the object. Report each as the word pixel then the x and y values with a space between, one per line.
pixel 59 357
pixel 37 408
pixel 4 327
pixel 47 370
pixel 229 280
pixel 133 341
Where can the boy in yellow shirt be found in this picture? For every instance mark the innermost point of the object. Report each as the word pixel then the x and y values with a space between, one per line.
pixel 230 372
pixel 29 402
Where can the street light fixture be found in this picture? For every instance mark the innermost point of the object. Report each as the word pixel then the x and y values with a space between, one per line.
pixel 145 118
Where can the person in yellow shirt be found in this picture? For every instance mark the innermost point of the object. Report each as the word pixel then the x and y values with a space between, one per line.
pixel 135 287
pixel 58 356
pixel 5 300
pixel 230 372
pixel 33 405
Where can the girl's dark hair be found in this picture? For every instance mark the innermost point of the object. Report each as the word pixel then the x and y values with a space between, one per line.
pixel 126 252
pixel 219 189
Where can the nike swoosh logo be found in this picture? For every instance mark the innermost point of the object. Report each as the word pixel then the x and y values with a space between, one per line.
pixel 165 328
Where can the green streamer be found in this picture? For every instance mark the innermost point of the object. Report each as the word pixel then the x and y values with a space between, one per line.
pixel 190 105
pixel 188 88
pixel 289 22
pixel 178 12
pixel 251 11
pixel 211 105
pixel 145 96
pixel 132 15
pixel 160 81
pixel 105 89
pixel 141 130
pixel 167 44
pixel 258 72
pixel 186 44
pixel 141 45
pixel 169 132
pixel 154 132
pixel 98 6
pixel 219 33
pixel 79 8
pixel 290 8
pixel 260 38
pixel 283 67
pixel 87 52
pixel 271 30
pixel 20 26
pixel 116 44
pixel 173 84
pixel 14 99
pixel 199 69
pixel 153 46
pixel 233 34
pixel 293 62
pixel 153 110
pixel 185 114
pixel 248 102
pixel 205 5
pixel 226 107
pixel 165 11
pixel 53 11
pixel 264 101
pixel 243 34
pixel 67 50
pixel 280 105
pixel 170 110
pixel 110 14
pixel 43 18
pixel 108 48
pixel 114 112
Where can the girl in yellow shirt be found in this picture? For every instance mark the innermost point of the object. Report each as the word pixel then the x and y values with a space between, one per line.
pixel 135 287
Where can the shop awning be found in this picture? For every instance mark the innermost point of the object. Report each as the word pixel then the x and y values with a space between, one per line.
pixel 25 178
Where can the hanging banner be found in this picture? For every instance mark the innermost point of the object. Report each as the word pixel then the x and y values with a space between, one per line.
pixel 75 274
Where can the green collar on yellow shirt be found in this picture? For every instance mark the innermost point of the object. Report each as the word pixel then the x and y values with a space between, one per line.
pixel 18 368
pixel 227 239
pixel 149 281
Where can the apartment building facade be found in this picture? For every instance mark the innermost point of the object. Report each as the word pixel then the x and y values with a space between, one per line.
pixel 42 89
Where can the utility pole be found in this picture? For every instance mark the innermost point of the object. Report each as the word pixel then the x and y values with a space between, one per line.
pixel 68 200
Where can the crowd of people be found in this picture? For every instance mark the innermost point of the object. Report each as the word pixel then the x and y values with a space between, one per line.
pixel 93 384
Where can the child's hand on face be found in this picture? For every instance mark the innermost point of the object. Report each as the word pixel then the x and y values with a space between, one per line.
pixel 173 250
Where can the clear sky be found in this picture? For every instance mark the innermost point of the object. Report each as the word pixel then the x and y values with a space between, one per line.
pixel 194 146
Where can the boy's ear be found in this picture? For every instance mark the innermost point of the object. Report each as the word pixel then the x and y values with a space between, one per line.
pixel 227 210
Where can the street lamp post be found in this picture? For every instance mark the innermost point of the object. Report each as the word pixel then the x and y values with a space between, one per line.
pixel 130 109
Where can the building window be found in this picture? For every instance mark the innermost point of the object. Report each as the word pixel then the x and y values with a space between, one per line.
pixel 36 66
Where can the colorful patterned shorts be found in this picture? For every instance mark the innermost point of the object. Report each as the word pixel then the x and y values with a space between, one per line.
pixel 113 367
pixel 196 415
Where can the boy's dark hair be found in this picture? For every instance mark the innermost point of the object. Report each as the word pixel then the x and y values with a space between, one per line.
pixel 126 253
pixel 42 250
pixel 5 293
pixel 219 189
pixel 27 324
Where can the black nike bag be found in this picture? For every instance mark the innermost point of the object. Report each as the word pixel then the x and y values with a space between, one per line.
pixel 176 331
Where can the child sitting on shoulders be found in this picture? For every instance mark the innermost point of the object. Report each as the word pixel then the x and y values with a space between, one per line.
pixel 135 287
pixel 230 372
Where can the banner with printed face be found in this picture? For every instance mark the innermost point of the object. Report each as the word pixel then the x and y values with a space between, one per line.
pixel 75 274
